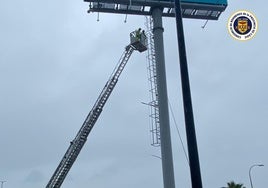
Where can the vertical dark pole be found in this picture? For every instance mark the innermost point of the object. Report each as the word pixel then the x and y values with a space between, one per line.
pixel 187 103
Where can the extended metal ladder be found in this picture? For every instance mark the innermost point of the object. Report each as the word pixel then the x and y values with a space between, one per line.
pixel 81 137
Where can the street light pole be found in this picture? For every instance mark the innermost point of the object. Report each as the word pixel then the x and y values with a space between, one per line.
pixel 2 182
pixel 249 173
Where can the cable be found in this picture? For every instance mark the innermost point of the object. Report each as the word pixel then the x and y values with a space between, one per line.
pixel 178 131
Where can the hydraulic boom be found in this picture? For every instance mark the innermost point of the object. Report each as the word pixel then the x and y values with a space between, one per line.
pixel 81 137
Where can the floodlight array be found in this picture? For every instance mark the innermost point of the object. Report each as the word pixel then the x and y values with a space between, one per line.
pixel 143 7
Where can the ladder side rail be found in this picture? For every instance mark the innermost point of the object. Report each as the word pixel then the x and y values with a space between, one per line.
pixel 107 90
pixel 68 159
pixel 154 109
pixel 81 137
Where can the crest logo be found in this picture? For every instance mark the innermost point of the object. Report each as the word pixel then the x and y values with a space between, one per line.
pixel 242 25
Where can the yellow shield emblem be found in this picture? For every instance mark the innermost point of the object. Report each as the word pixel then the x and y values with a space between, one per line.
pixel 242 25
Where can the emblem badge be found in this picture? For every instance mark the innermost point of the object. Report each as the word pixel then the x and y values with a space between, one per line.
pixel 242 25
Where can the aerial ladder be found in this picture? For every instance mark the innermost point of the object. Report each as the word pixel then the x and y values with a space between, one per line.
pixel 137 42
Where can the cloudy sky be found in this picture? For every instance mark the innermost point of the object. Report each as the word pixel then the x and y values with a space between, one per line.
pixel 54 60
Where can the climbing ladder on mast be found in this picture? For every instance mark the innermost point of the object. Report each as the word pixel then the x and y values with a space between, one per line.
pixel 151 68
pixel 136 43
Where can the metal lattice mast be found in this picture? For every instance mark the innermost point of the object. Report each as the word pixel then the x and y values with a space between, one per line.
pixel 151 68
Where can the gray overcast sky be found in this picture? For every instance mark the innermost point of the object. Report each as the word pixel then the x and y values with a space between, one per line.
pixel 54 60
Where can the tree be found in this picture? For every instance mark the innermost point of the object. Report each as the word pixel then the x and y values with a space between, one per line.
pixel 232 184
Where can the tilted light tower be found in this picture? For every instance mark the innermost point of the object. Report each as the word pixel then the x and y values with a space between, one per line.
pixel 195 9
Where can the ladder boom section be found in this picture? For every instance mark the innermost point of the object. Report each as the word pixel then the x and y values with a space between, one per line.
pixel 81 137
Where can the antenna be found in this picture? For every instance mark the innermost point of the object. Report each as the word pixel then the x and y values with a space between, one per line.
pixel 125 21
pixel 204 25
pixel 98 16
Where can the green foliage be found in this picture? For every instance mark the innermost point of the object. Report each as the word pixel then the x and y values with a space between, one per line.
pixel 232 184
